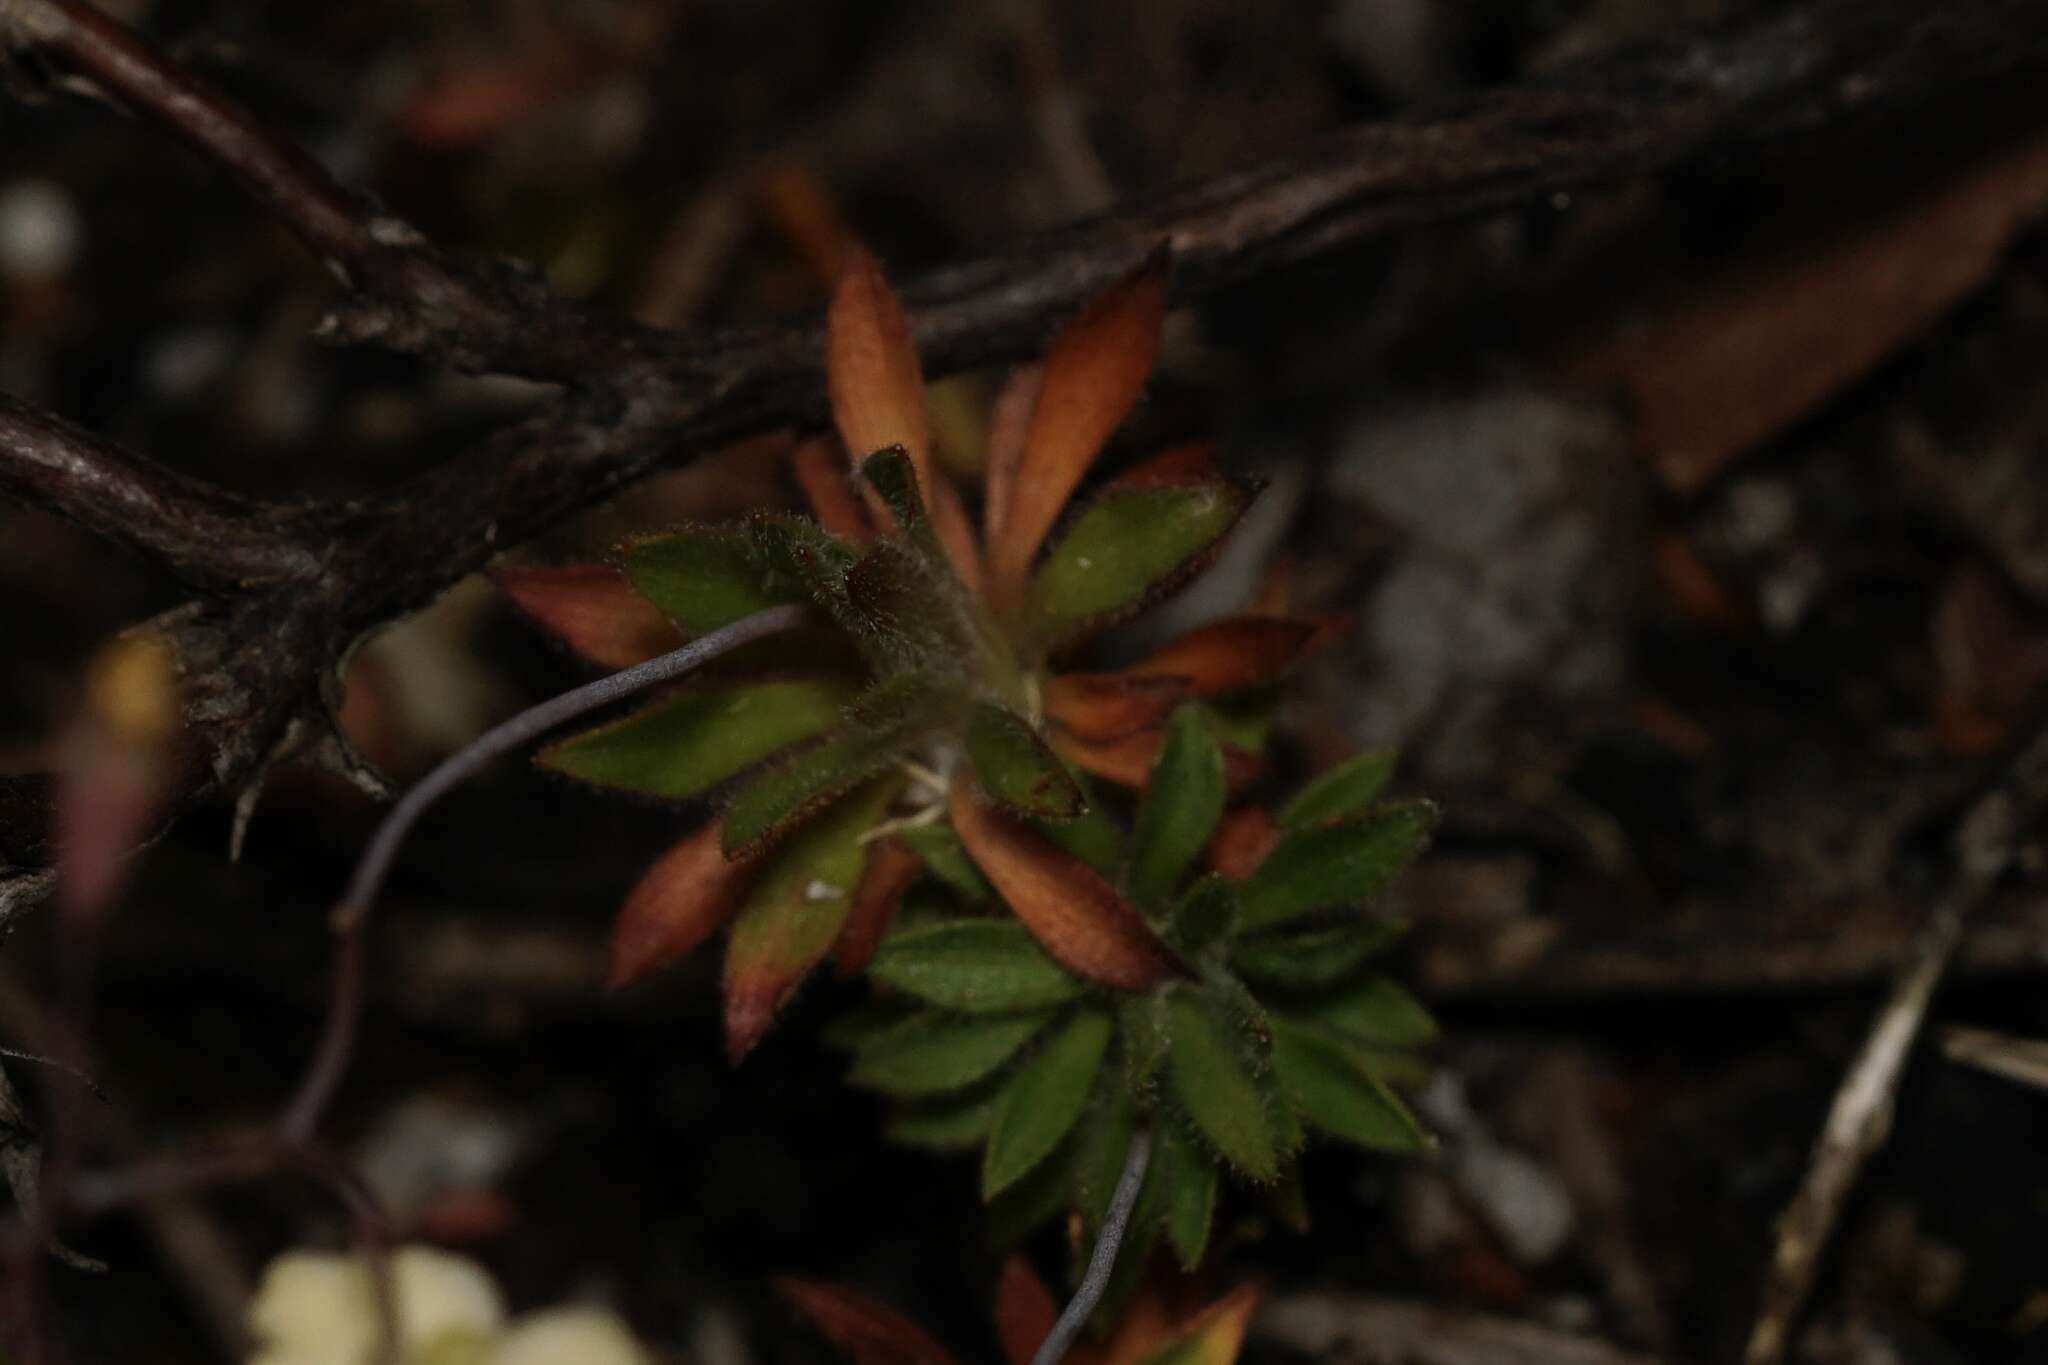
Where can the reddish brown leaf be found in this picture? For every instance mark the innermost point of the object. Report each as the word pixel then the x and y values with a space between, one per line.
pixel 1093 375
pixel 1243 838
pixel 676 905
pixel 890 870
pixel 821 471
pixel 868 1331
pixel 593 609
pixel 1068 907
pixel 1103 706
pixel 469 104
pixel 1176 465
pixel 878 398
pixel 1008 422
pixel 121 755
pixel 1025 1311
pixel 1128 761
pixel 1241 652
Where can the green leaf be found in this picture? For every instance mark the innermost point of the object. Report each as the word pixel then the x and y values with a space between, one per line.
pixel 684 745
pixel 1375 1011
pixel 1245 721
pixel 1044 1099
pixel 953 1123
pixel 701 578
pixel 1346 789
pixel 932 1053
pixel 1183 801
pixel 1335 864
pixel 979 965
pixel 1143 1037
pixel 799 902
pixel 1399 1069
pixel 1093 835
pixel 799 560
pixel 894 478
pixel 1187 1175
pixel 1127 547
pixel 1016 768
pixel 1338 1095
pixel 1204 915
pixel 1212 1067
pixel 945 857
pixel 855 1027
pixel 1316 958
pixel 885 719
pixel 1045 1192
pixel 1101 1142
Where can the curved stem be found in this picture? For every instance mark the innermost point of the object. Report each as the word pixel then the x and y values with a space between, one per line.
pixel 1102 1263
pixel 345 1001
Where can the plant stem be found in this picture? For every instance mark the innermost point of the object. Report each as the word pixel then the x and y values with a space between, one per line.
pixel 1103 1261
pixel 345 1001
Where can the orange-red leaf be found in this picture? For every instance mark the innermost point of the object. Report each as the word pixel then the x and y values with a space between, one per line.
pixel 822 473
pixel 878 397
pixel 1175 465
pixel 1093 375
pixel 593 609
pixel 1025 1311
pixel 890 870
pixel 1008 421
pixel 1073 913
pixel 868 1331
pixel 871 366
pixel 1242 840
pixel 1128 761
pixel 1241 652
pixel 1103 706
pixel 676 905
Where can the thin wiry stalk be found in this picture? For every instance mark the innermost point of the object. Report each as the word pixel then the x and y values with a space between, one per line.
pixel 345 1000
pixel 1103 1260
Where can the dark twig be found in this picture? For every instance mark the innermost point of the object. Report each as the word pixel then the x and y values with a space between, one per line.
pixel 260 660
pixel 1102 1262
pixel 345 1001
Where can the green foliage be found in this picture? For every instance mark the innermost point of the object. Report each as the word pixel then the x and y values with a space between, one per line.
pixel 1182 803
pixel 702 578
pixel 684 745
pixel 1346 789
pixel 945 858
pixel 882 723
pixel 932 1053
pixel 1341 864
pixel 1335 1092
pixel 1316 958
pixel 1189 1179
pixel 1214 1063
pixel 1128 547
pixel 1044 1099
pixel 1015 767
pixel 1377 1011
pixel 974 966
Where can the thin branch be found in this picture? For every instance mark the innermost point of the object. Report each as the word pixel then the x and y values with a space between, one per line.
pixel 351 918
pixel 210 539
pixel 1860 1119
pixel 1102 1262
pixel 643 399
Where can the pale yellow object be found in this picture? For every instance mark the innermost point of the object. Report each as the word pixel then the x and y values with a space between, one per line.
pixel 317 1308
pixel 569 1336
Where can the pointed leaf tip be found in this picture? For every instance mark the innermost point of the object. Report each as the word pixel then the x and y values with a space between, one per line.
pixel 1069 908
pixel 1091 378
pixel 678 903
pixel 871 364
pixel 592 609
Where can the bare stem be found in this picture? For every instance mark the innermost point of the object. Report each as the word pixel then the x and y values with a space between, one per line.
pixel 345 1000
pixel 1102 1263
